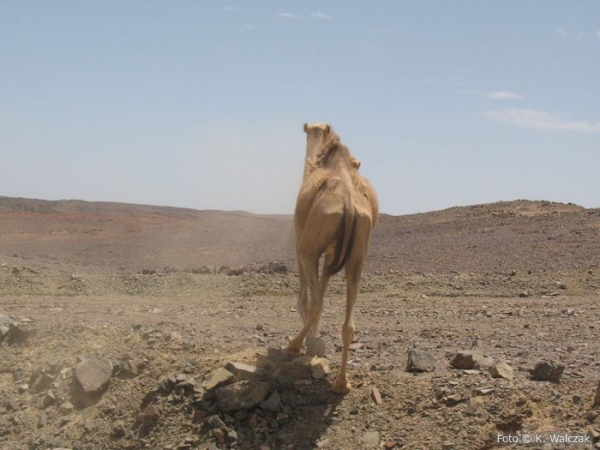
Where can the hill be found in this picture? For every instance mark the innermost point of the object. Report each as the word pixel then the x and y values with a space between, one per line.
pixel 99 236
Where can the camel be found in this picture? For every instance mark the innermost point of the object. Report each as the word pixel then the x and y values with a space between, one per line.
pixel 336 211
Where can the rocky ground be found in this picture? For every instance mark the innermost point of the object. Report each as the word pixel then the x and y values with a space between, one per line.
pixel 189 355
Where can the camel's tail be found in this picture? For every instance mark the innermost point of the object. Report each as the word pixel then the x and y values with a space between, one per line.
pixel 345 240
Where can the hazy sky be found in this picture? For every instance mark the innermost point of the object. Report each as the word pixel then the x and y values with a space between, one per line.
pixel 201 103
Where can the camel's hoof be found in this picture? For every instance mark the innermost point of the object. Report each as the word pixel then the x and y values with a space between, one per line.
pixel 315 346
pixel 341 386
pixel 293 349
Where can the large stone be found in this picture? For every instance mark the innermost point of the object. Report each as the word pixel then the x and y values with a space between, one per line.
pixel 502 370
pixel 243 371
pixel 470 359
pixel 547 371
pixel 93 374
pixel 217 378
pixel 242 395
pixel 420 361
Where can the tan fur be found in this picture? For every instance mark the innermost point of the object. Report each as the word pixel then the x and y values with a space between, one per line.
pixel 335 213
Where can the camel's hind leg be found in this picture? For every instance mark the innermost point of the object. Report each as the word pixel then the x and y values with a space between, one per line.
pixel 354 268
pixel 310 266
pixel 315 345
pixel 310 249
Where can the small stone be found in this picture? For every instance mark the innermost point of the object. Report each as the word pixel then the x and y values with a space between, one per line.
pixel 22 388
pixel 485 390
pixel 152 413
pixel 20 332
pixel 217 378
pixel 547 371
pixel 320 369
pixel 118 429
pixel 597 397
pixel 42 420
pixel 390 444
pixel 49 399
pixel 167 383
pixel 45 380
pixel 93 374
pixel 420 361
pixel 357 346
pixel 198 415
pixel 370 439
pixel 241 415
pixel 473 408
pixel 188 385
pixel 322 443
pixel 453 399
pixel 129 368
pixel 272 403
pixel 5 322
pixel 447 445
pixel 232 435
pixel 502 370
pixel 66 408
pixel 376 395
pixel 523 294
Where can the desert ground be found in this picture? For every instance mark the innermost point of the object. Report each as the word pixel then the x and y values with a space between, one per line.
pixel 121 326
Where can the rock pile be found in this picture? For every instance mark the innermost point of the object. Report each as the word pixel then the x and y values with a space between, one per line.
pixel 238 405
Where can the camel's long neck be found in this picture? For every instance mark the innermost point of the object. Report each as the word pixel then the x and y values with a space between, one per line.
pixel 308 161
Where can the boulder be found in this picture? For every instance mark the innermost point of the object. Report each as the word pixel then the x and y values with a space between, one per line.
pixel 420 361
pixel 242 395
pixel 217 378
pixel 93 374
pixel 243 371
pixel 470 359
pixel 547 371
pixel 502 370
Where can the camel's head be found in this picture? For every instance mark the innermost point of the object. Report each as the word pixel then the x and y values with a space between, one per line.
pixel 318 136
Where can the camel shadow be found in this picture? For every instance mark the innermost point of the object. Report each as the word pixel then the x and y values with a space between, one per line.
pixel 308 405
pixel 287 407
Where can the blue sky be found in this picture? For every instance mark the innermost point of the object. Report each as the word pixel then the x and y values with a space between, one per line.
pixel 201 103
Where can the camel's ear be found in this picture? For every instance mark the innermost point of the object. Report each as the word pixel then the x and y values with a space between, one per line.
pixel 327 129
pixel 355 163
pixel 306 128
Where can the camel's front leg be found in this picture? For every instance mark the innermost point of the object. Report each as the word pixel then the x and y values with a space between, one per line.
pixel 353 272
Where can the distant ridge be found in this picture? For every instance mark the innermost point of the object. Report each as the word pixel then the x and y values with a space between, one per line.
pixel 108 236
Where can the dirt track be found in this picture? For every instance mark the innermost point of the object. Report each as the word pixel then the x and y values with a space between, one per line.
pixel 518 282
